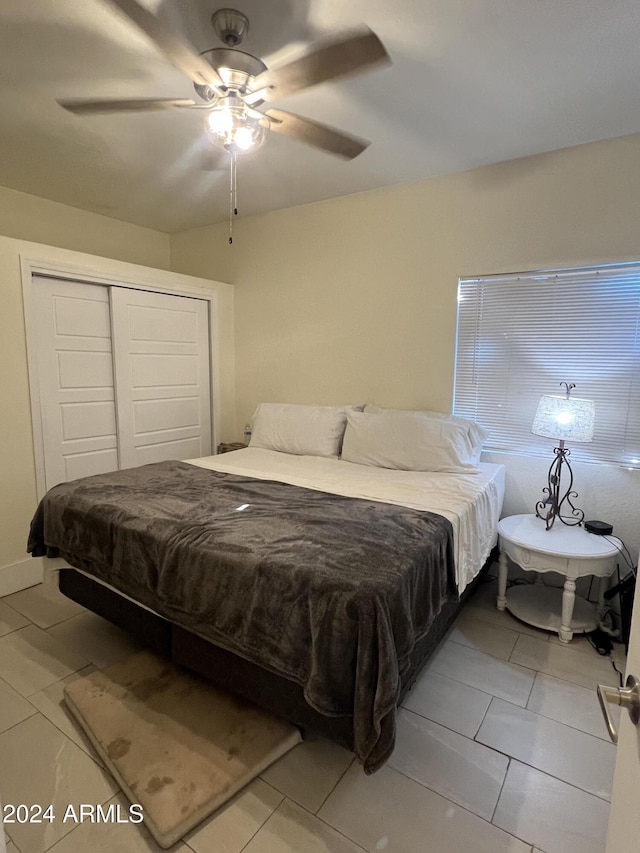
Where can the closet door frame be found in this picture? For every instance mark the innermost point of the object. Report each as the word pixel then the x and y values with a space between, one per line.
pixel 141 278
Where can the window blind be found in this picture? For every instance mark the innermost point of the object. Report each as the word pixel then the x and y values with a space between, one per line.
pixel 519 336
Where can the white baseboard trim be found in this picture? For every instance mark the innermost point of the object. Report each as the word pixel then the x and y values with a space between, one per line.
pixel 20 575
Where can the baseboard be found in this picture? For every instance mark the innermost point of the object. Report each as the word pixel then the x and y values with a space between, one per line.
pixel 20 575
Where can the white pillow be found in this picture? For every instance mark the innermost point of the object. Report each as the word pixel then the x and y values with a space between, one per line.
pixel 408 441
pixel 477 434
pixel 303 430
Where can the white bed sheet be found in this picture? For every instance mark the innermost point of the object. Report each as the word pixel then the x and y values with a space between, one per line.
pixel 471 502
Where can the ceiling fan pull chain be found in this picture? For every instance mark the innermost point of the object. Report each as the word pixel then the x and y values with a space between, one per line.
pixel 233 193
pixel 231 198
pixel 234 154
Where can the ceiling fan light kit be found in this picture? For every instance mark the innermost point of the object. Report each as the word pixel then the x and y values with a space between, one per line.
pixel 230 129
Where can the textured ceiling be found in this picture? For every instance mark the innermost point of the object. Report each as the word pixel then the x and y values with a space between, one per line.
pixel 472 82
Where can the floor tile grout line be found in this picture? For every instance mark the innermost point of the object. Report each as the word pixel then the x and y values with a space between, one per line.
pixel 20 722
pixel 465 684
pixel 444 725
pixel 550 775
pixel 604 737
pixel 458 805
pixel 450 798
pixel 78 825
pixel 531 689
pixel 488 654
pixel 340 778
pixel 546 717
pixel 57 681
pixel 455 731
pixel 17 612
pixel 4 601
pixel 262 825
pixel 96 760
pixel 475 648
pixel 445 675
pixel 495 808
pixel 555 675
pixel 330 826
pixel 478 614
pixel 64 734
pixel 27 699
pixel 67 619
pixel 484 717
pixel 24 615
pixel 474 613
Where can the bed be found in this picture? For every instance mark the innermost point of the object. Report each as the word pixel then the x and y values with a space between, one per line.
pixel 313 583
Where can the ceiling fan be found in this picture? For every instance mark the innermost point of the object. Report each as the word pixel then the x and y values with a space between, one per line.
pixel 231 84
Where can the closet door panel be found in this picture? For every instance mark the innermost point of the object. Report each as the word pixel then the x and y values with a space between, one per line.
pixel 161 353
pixel 75 372
pixel 186 449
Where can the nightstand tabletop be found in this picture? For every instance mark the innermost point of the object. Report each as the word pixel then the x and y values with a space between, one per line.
pixel 530 532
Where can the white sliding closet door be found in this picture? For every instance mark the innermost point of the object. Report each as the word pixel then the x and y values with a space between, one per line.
pixel 75 374
pixel 123 376
pixel 161 358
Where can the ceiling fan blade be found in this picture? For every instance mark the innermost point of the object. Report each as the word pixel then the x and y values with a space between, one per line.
pixel 316 134
pixel 336 59
pixel 178 51
pixel 133 105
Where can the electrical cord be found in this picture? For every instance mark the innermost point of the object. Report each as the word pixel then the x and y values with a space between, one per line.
pixel 624 552
pixel 620 674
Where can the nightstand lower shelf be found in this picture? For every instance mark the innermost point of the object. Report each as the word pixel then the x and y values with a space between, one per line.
pixel 541 606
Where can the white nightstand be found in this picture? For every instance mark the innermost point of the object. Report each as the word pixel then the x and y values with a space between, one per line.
pixel 571 552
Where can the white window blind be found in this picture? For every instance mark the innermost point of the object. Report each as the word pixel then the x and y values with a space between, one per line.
pixel 519 336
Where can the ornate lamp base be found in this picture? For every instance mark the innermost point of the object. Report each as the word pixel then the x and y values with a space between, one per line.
pixel 551 507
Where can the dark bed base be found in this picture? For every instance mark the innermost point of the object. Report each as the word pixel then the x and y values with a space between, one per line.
pixel 236 674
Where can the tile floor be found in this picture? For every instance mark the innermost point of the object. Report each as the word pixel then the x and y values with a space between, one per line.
pixel 500 749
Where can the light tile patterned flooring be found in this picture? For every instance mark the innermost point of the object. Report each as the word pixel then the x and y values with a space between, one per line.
pixel 500 749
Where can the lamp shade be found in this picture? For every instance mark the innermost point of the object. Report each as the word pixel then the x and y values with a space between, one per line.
pixel 564 418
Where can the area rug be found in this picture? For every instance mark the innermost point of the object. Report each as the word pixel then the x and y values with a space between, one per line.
pixel 176 745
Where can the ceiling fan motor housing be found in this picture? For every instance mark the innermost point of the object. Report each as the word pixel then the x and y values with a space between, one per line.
pixel 236 68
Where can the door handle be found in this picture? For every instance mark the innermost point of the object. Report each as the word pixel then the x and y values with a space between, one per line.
pixel 627 697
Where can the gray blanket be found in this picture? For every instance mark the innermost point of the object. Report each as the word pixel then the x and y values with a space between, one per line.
pixel 331 592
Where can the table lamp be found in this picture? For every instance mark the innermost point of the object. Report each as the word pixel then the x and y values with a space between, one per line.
pixel 564 418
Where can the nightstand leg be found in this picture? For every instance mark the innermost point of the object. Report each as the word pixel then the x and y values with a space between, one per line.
pixel 568 600
pixel 503 568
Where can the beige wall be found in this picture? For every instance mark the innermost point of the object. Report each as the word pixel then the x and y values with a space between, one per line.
pixel 27 217
pixel 355 298
pixel 104 245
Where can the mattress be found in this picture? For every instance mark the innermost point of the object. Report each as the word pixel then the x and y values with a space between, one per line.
pixel 471 502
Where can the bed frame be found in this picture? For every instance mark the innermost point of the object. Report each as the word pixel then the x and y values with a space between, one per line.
pixel 233 673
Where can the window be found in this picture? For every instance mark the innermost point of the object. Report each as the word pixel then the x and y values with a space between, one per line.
pixel 521 335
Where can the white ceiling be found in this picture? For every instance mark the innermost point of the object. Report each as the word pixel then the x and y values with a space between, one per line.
pixel 472 82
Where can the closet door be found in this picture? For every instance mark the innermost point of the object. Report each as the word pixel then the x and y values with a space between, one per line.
pixel 75 374
pixel 161 358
